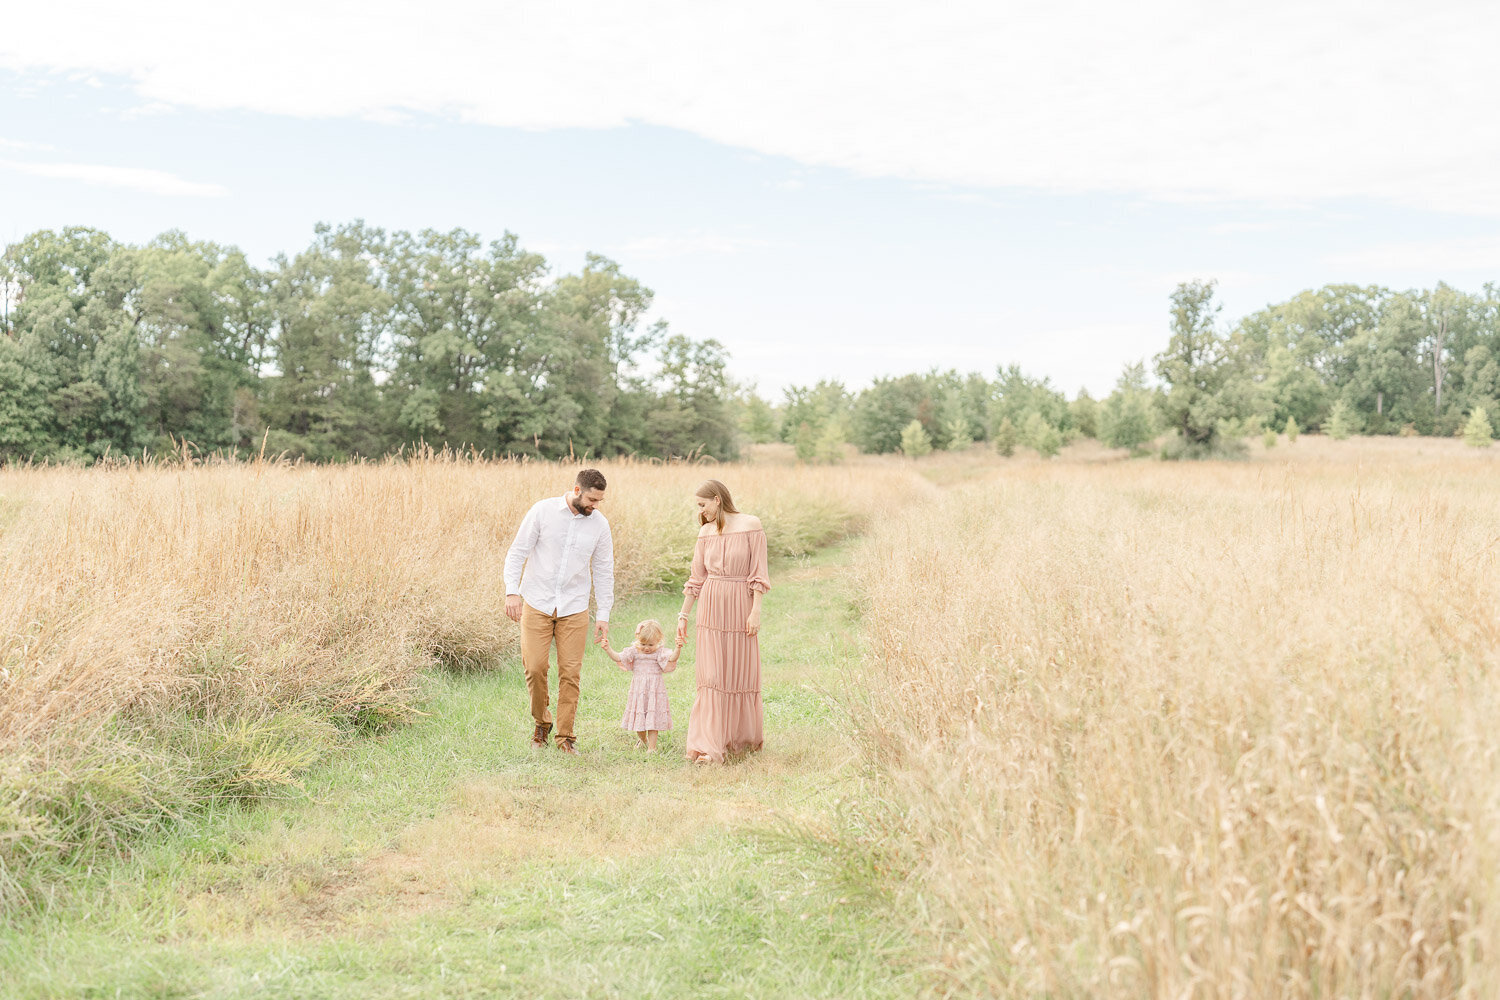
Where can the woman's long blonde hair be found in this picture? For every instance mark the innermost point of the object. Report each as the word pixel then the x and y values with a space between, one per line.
pixel 712 489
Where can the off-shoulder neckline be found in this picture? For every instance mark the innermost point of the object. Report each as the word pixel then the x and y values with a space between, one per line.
pixel 727 534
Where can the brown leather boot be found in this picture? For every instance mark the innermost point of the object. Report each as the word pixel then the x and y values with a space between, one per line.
pixel 566 745
pixel 539 738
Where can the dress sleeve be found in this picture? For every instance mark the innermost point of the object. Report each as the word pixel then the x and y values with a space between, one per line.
pixel 760 572
pixel 698 573
pixel 627 658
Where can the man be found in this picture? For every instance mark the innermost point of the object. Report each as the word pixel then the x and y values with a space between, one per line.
pixel 564 543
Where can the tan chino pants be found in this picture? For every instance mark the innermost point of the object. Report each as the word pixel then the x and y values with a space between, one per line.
pixel 538 631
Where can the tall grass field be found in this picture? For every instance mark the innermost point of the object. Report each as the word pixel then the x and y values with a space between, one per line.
pixel 1211 731
pixel 173 636
pixel 1087 727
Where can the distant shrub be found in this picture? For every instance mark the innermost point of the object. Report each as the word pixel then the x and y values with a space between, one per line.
pixel 1340 422
pixel 1477 431
pixel 1040 435
pixel 1268 439
pixel 1177 449
pixel 958 435
pixel 805 442
pixel 1291 430
pixel 914 440
pixel 829 447
pixel 1006 438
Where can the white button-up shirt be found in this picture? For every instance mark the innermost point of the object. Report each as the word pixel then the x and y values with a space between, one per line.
pixel 561 551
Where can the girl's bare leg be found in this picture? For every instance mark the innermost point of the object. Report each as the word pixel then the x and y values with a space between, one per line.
pixel 650 738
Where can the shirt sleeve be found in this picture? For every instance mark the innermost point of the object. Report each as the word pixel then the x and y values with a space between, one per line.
pixel 520 550
pixel 760 571
pixel 698 573
pixel 604 573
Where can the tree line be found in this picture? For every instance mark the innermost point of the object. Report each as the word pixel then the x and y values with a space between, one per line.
pixel 368 342
pixel 361 344
pixel 1342 359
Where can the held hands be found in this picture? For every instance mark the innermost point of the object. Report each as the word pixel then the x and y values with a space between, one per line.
pixel 513 607
pixel 681 629
pixel 601 634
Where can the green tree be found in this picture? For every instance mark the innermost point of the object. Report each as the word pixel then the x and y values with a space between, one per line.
pixel 1127 418
pixel 882 412
pixel 914 440
pixel 1477 430
pixel 198 360
pixel 805 442
pixel 829 446
pixel 1085 413
pixel 1443 308
pixel 1016 396
pixel 814 406
pixel 77 343
pixel 567 389
pixel 1291 430
pixel 958 435
pixel 759 422
pixel 329 317
pixel 1038 434
pixel 464 318
pixel 25 415
pixel 691 415
pixel 1006 437
pixel 1386 382
pixel 1340 423
pixel 1205 384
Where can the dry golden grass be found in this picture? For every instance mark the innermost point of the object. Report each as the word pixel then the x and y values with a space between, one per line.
pixel 1197 731
pixel 169 634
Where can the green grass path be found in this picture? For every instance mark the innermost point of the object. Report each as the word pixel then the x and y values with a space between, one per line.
pixel 450 859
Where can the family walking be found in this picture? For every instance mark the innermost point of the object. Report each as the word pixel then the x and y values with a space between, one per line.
pixel 563 548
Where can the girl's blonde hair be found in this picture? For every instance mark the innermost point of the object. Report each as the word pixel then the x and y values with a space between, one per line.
pixel 649 632
pixel 712 489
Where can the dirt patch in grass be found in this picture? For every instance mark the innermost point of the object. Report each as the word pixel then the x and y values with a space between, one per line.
pixel 493 833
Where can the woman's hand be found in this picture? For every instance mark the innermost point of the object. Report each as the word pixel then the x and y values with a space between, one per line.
pixel 681 631
pixel 752 624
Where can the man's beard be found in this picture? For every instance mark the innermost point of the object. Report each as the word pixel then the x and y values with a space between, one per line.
pixel 584 512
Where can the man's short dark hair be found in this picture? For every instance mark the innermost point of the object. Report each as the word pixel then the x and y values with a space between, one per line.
pixel 591 479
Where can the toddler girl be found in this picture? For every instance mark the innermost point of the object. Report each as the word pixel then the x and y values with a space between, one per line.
pixel 646 710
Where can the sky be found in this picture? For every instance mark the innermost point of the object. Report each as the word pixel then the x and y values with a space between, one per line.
pixel 831 190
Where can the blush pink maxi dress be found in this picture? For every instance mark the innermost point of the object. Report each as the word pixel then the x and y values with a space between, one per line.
pixel 726 715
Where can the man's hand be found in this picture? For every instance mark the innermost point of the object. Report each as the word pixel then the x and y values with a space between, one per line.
pixel 752 624
pixel 513 607
pixel 601 633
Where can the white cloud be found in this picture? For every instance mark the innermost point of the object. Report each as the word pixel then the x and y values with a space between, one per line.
pixel 130 178
pixel 1481 253
pixel 689 245
pixel 1272 100
pixel 24 146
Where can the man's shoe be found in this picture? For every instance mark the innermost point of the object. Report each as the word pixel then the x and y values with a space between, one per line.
pixel 539 738
pixel 566 745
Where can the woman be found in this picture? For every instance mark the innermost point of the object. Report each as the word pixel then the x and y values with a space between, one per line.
pixel 727 581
